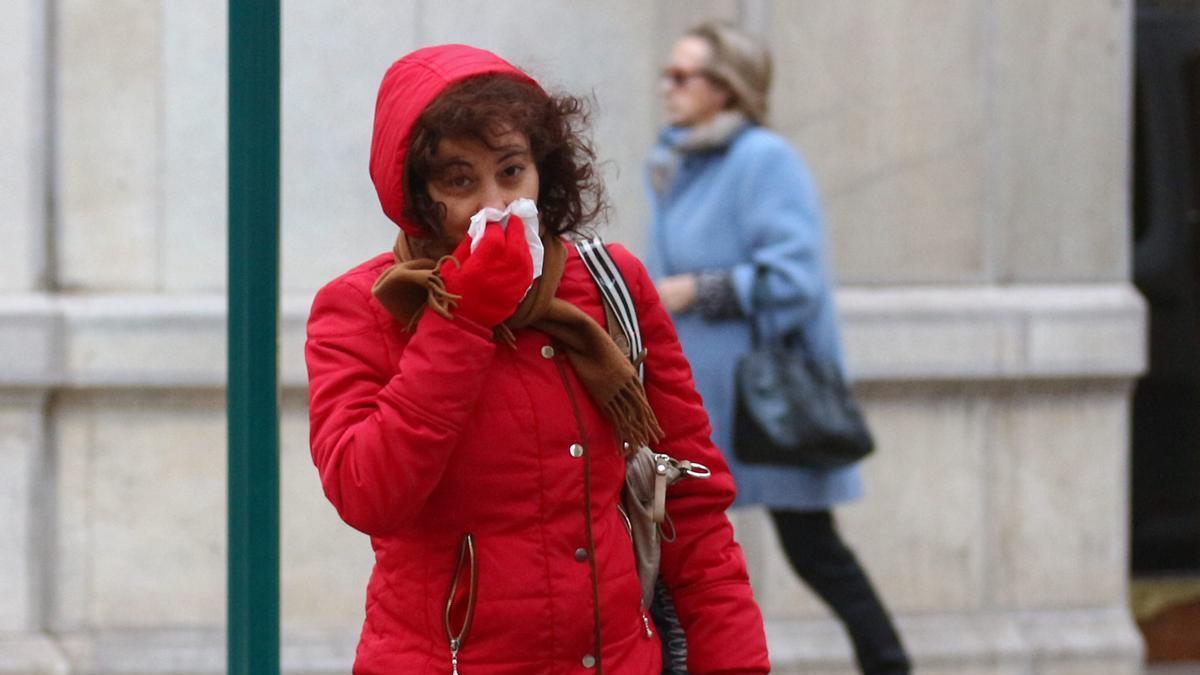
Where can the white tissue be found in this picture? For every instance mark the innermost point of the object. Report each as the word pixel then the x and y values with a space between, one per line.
pixel 524 209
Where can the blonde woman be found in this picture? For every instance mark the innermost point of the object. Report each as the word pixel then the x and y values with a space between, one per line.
pixel 730 198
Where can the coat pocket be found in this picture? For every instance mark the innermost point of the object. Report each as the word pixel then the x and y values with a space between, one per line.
pixel 460 600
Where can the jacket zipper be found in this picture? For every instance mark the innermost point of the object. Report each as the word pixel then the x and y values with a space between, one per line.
pixel 466 559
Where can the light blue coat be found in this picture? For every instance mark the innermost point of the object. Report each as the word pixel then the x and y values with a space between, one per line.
pixel 750 202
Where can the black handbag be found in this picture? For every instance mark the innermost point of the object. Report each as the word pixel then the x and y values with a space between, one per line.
pixel 792 408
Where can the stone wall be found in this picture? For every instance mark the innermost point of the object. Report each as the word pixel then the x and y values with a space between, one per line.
pixel 972 155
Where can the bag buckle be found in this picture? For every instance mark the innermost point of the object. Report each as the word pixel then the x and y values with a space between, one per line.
pixel 663 462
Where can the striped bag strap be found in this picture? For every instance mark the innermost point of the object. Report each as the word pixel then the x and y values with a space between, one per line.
pixel 614 290
pixel 619 305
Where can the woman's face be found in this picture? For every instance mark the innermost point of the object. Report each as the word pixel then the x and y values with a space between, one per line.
pixel 468 176
pixel 690 97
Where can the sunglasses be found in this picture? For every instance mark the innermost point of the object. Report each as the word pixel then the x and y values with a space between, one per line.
pixel 678 77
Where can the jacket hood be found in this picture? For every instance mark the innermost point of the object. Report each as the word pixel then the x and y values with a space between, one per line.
pixel 408 87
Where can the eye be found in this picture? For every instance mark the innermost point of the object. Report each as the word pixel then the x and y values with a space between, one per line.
pixel 457 182
pixel 512 170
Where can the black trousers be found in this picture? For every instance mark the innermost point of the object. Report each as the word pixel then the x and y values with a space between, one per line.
pixel 820 557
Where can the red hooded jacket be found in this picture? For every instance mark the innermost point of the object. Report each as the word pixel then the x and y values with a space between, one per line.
pixel 423 436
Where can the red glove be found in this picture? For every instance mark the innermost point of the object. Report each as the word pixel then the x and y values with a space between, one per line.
pixel 493 280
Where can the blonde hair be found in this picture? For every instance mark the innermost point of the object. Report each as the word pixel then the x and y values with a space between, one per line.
pixel 741 63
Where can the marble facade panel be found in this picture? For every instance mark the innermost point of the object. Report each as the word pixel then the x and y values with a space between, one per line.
pixel 108 142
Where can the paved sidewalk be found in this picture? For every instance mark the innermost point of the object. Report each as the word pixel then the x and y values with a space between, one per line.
pixel 1189 668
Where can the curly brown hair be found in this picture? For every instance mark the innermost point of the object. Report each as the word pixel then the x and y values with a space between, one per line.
pixel 570 193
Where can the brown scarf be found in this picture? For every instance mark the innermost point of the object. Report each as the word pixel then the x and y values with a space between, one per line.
pixel 413 283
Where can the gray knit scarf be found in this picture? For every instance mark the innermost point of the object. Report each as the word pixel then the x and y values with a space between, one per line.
pixel 712 135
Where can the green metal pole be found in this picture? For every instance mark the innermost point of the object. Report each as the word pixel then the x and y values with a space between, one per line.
pixel 253 384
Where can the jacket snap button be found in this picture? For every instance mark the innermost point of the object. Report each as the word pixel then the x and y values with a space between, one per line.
pixel 580 554
pixel 576 450
pixel 589 661
pixel 547 352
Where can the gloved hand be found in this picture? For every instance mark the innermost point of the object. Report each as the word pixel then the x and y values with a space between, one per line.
pixel 493 280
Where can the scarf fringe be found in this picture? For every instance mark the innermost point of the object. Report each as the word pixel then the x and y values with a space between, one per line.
pixel 504 334
pixel 440 300
pixel 632 415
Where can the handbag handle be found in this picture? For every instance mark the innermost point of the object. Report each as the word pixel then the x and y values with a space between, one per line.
pixel 759 306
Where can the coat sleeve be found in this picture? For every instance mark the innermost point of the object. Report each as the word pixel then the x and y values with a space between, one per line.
pixel 382 426
pixel 704 566
pixel 780 224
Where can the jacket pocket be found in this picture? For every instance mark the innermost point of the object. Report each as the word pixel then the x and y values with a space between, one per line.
pixel 460 600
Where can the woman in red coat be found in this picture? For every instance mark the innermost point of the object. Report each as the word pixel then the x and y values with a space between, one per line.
pixel 471 414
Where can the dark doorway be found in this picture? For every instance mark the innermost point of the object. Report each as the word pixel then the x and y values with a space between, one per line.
pixel 1166 214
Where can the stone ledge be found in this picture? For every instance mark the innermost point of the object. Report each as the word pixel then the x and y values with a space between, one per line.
pixel 1026 642
pixel 1010 332
pixel 892 335
pixel 199 651
pixel 31 654
pixel 1016 642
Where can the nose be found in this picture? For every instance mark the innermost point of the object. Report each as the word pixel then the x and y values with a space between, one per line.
pixel 494 196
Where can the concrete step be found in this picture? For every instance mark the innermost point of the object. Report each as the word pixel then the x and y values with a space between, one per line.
pixel 1183 668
